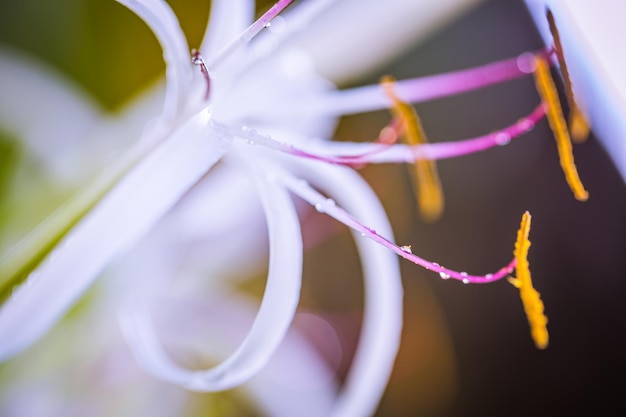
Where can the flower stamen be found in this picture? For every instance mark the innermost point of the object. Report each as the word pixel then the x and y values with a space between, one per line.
pixel 249 33
pixel 424 175
pixel 531 299
pixel 579 125
pixel 547 91
pixel 197 59
pixel 325 205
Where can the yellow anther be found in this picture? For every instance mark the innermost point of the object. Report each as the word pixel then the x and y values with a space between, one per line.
pixel 531 299
pixel 549 95
pixel 424 175
pixel 578 124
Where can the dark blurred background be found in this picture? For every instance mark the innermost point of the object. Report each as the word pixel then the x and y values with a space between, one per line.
pixel 466 349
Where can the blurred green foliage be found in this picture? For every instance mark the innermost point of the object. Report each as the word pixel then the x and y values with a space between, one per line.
pixel 99 43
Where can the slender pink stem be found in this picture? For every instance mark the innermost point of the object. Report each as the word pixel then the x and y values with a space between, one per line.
pixel 197 59
pixel 377 153
pixel 369 98
pixel 328 206
pixel 250 32
pixel 264 21
pixel 443 85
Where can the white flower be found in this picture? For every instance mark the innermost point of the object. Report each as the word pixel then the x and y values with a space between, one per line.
pixel 173 155
pixel 240 132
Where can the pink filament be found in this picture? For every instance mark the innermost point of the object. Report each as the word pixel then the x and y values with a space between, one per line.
pixel 324 205
pixel 369 98
pixel 390 153
pixel 249 33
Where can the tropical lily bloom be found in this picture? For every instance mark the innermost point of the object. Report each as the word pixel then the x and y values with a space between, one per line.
pixel 234 140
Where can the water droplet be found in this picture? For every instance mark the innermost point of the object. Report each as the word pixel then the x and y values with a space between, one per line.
pixel 463 274
pixel 526 62
pixel 362 234
pixel 443 275
pixel 267 25
pixel 319 207
pixel 525 124
pixel 436 264
pixel 465 281
pixel 503 138
pixel 489 276
pixel 278 24
pixel 330 202
pixel 406 248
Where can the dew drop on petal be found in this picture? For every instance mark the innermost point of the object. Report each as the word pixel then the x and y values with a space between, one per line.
pixel 443 275
pixel 278 24
pixel 406 248
pixel 465 281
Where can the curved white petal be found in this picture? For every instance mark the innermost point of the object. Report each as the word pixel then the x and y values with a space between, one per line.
pixel 126 213
pixel 82 361
pixel 199 226
pixel 297 381
pixel 275 314
pixel 35 105
pixel 371 32
pixel 592 35
pixel 382 321
pixel 287 25
pixel 162 20
pixel 228 19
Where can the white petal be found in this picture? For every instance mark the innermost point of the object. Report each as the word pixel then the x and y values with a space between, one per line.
pixel 161 19
pixel 592 35
pixel 82 361
pixel 126 213
pixel 228 19
pixel 275 314
pixel 382 322
pixel 36 104
pixel 297 381
pixel 355 36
